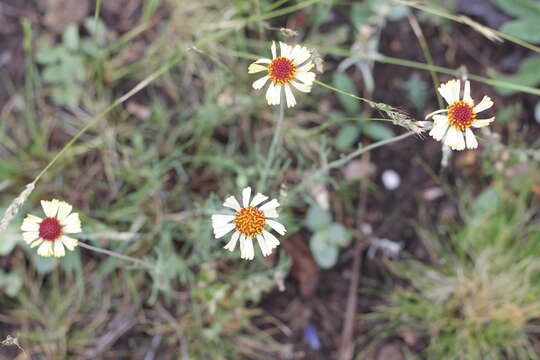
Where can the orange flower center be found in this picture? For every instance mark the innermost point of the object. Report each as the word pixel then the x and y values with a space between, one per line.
pixel 250 221
pixel 281 70
pixel 461 115
pixel 50 229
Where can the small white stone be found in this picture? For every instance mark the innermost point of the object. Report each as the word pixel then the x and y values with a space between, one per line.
pixel 391 179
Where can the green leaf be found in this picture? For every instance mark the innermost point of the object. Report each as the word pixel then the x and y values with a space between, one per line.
pixel 416 89
pixel 486 202
pixel 528 75
pixel 97 29
pixel 339 234
pixel 378 131
pixel 527 29
pixel 50 55
pixel 324 252
pixel 343 82
pixel 346 137
pixel 519 8
pixel 70 37
pixel 360 14
pixel 11 283
pixel 43 265
pixel 11 235
pixel 55 74
pixel 317 218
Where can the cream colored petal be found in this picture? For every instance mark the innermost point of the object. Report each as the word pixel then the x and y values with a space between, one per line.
pixel 221 220
pixel 246 196
pixel 300 54
pixel 306 78
pixel 257 199
pixel 31 223
pixel 273 49
pixel 470 139
pixel 306 67
pixel 448 91
pixel 485 104
pixel 36 243
pixel 224 230
pixel 231 245
pixel 45 249
pixel 63 210
pixel 482 122
pixel 50 207
pixel 255 68
pixel 432 114
pixel 246 248
pixel 289 97
pixel 69 242
pixel 270 205
pixel 277 226
pixel 72 224
pixel 265 249
pixel 439 128
pixel 232 203
pixel 467 93
pixel 272 214
pixel 454 139
pixel 273 94
pixel 58 249
pixel 257 85
pixel 285 50
pixel 29 236
pixel 271 240
pixel 302 87
pixel 263 61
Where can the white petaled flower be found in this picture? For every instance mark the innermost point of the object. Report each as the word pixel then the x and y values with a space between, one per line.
pixel 453 124
pixel 291 68
pixel 50 232
pixel 249 222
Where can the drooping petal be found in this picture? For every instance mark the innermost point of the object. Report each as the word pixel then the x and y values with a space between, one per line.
pixel 72 224
pixel 467 93
pixel 273 49
pixel 224 230
pixel 246 248
pixel 277 226
pixel 485 104
pixel 50 208
pixel 270 205
pixel 232 203
pixel 289 97
pixel 58 249
pixel 45 249
pixel 482 122
pixel 307 78
pixel 257 85
pixel 231 245
pixel 246 195
pixel 69 242
pixel 302 87
pixel 63 210
pixel 255 68
pixel 257 199
pixel 29 236
pixel 265 249
pixel 299 55
pixel 470 139
pixel 31 223
pixel 440 126
pixel 454 139
pixel 271 240
pixel 273 94
pixel 219 220
pixel 448 91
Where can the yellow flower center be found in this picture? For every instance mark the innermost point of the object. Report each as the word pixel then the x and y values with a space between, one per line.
pixel 249 221
pixel 461 115
pixel 281 70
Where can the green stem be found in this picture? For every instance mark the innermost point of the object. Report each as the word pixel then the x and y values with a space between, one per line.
pixel 117 255
pixel 369 102
pixel 274 145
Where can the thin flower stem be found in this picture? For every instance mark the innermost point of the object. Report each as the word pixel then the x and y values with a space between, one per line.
pixel 369 102
pixel 274 145
pixel 115 254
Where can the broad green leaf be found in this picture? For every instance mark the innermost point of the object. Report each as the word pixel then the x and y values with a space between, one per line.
pixel 97 29
pixel 324 252
pixel 360 13
pixel 50 55
pixel 526 29
pixel 343 82
pixel 346 137
pixel 43 265
pixel 520 8
pixel 11 283
pixel 416 89
pixel 70 37
pixel 339 234
pixel 528 75
pixel 377 131
pixel 486 202
pixel 318 219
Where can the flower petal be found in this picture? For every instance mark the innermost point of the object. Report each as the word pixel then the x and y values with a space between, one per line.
pixel 450 91
pixel 257 85
pixel 69 242
pixel 305 68
pixel 45 249
pixel 289 97
pixel 285 50
pixel 470 139
pixel 31 223
pixel 302 87
pixel 482 122
pixel 246 248
pixel 273 49
pixel 300 54
pixel 270 205
pixel 232 203
pixel 270 214
pixel 224 230
pixel 36 243
pixel 255 68
pixel 29 236
pixel 265 249
pixel 440 127
pixel 467 93
pixel 50 207
pixel 306 78
pixel 257 199
pixel 454 139
pixel 271 240
pixel 246 195
pixel 219 220
pixel 485 104
pixel 72 224
pixel 58 249
pixel 231 245
pixel 280 229
pixel 63 210
pixel 263 61
pixel 273 94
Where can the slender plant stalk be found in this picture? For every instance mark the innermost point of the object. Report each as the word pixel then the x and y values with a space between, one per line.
pixel 273 151
pixel 117 255
pixel 369 102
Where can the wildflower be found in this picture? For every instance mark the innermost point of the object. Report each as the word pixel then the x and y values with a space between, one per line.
pixel 49 233
pixel 249 222
pixel 291 68
pixel 453 128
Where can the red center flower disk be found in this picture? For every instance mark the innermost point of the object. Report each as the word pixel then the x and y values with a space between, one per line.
pixel 461 115
pixel 281 70
pixel 50 229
